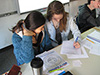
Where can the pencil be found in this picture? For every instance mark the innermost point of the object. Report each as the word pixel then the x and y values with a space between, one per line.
pixel 90 40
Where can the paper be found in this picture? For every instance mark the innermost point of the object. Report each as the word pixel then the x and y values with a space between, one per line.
pixel 96 49
pixel 52 60
pixel 83 55
pixel 87 44
pixel 94 36
pixel 92 42
pixel 76 63
pixel 68 48
pixel 71 52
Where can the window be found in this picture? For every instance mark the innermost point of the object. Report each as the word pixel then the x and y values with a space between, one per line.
pixel 29 5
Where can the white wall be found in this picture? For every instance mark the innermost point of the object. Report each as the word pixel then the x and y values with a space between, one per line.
pixel 7 6
pixel 8 22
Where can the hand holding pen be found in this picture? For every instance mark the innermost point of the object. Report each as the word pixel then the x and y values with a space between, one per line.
pixel 76 43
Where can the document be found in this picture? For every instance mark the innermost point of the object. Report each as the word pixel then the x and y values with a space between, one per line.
pixel 76 63
pixel 68 48
pixel 92 42
pixel 87 44
pixel 94 36
pixel 71 52
pixel 82 55
pixel 96 49
pixel 52 60
pixel 93 47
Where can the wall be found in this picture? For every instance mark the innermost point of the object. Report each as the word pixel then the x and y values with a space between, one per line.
pixel 7 6
pixel 8 22
pixel 74 6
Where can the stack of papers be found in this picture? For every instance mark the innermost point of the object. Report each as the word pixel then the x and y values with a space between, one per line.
pixel 92 42
pixel 71 52
pixel 52 60
pixel 94 36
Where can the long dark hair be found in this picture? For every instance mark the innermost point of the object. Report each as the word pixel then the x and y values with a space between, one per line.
pixel 18 26
pixel 34 20
pixel 57 7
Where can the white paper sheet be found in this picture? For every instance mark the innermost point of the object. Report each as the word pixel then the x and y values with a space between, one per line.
pixel 68 48
pixel 93 47
pixel 94 36
pixel 76 63
pixel 87 44
pixel 71 52
pixel 96 49
pixel 83 55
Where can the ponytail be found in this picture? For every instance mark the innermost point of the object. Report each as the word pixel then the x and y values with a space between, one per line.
pixel 18 26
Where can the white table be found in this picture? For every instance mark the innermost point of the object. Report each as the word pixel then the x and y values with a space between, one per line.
pixel 90 66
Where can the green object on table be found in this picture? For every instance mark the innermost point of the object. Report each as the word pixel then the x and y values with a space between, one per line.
pixel 55 70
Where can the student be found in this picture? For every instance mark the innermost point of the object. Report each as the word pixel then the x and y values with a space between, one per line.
pixel 59 24
pixel 30 38
pixel 87 15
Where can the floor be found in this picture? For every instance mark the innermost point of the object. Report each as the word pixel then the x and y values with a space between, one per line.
pixel 7 59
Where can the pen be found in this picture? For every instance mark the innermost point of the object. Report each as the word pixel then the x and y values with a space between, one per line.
pixel 76 39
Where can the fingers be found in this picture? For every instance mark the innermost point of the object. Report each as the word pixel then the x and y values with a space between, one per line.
pixel 28 32
pixel 34 40
pixel 99 5
pixel 76 45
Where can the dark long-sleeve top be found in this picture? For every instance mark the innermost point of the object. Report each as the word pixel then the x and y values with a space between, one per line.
pixel 23 48
pixel 87 19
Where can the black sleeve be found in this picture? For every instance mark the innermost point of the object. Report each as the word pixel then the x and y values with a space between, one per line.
pixel 83 15
pixel 94 21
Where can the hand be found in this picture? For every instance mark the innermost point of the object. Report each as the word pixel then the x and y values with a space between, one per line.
pixel 99 6
pixel 34 40
pixel 28 32
pixel 76 45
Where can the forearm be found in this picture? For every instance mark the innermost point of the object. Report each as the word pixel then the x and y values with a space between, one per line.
pixel 27 48
pixel 75 31
pixel 23 48
pixel 94 21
